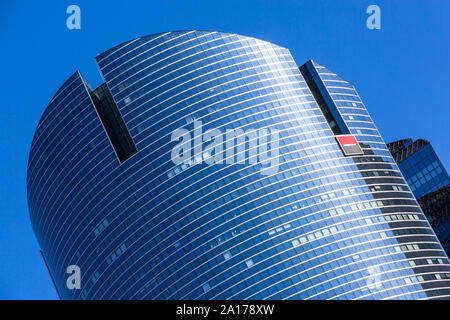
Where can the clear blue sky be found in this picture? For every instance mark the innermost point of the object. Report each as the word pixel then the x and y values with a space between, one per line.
pixel 400 71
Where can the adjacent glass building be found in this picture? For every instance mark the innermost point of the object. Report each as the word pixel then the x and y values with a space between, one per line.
pixel 429 181
pixel 335 220
pixel 420 165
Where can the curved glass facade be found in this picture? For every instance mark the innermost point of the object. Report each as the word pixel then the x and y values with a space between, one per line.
pixel 320 225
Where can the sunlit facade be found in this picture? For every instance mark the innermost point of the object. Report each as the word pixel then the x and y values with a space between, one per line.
pixel 335 221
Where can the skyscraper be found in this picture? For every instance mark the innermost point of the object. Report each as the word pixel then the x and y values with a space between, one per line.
pixel 420 165
pixel 210 166
pixel 429 181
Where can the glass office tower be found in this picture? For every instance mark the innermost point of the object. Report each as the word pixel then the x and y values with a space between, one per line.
pixel 429 181
pixel 436 206
pixel 332 219
pixel 420 165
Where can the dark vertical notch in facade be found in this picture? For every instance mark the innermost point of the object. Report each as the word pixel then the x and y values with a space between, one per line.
pixel 112 120
pixel 323 99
